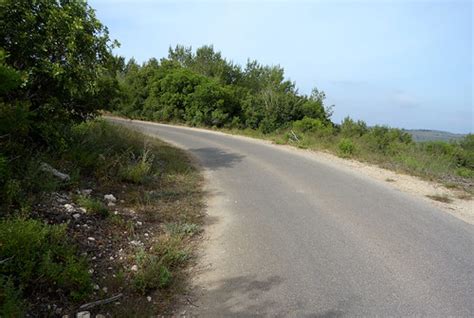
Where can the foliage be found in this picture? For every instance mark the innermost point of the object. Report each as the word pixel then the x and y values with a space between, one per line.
pixel 155 268
pixel 311 125
pixel 204 89
pixel 38 256
pixel 346 147
pixel 138 170
pixel 351 128
pixel 93 206
pixel 62 49
pixel 56 69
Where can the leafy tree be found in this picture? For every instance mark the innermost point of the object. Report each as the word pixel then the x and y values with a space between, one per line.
pixel 63 50
pixel 203 88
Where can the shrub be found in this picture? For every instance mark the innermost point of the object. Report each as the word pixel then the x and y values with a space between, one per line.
pixel 350 128
pixel 138 170
pixel 155 268
pixel 465 172
pixel 93 206
pixel 311 125
pixel 39 256
pixel 346 147
pixel 384 139
pixel 11 304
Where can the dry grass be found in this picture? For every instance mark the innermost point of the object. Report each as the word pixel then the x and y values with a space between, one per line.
pixel 154 223
pixel 440 198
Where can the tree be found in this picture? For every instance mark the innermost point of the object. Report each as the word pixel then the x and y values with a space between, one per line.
pixel 63 51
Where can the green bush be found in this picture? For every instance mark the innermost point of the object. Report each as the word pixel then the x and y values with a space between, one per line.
pixel 312 126
pixel 39 256
pixel 138 170
pixel 346 147
pixel 350 128
pixel 11 303
pixel 156 267
pixel 93 206
pixel 465 172
pixel 384 140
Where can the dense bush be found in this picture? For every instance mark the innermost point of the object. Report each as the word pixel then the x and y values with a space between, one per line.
pixel 350 128
pixel 313 126
pixel 203 89
pixel 346 147
pixel 56 69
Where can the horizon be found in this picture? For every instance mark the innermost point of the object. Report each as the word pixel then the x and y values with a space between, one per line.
pixel 406 64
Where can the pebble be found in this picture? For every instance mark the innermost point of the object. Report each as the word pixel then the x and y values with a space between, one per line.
pixel 134 268
pixel 76 216
pixel 111 204
pixel 69 207
pixel 105 289
pixel 83 210
pixel 83 314
pixel 86 191
pixel 110 197
pixel 139 223
pixel 91 238
pixel 136 243
pixel 96 287
pixel 148 298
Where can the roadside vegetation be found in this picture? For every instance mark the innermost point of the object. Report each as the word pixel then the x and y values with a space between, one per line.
pixel 204 89
pixel 89 211
pixel 93 212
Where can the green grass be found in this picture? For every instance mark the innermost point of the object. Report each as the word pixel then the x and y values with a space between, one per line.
pixel 153 178
pixel 93 206
pixel 156 267
pixel 446 162
pixel 138 170
pixel 37 256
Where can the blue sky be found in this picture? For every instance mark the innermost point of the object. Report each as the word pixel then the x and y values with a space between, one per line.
pixel 402 63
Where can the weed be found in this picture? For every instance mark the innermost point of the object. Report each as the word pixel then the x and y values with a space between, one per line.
pixel 441 198
pixel 93 206
pixel 155 267
pixel 116 220
pixel 450 185
pixel 139 169
pixel 182 229
pixel 346 147
pixel 465 196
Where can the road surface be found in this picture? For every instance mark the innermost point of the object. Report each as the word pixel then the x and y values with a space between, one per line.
pixel 293 236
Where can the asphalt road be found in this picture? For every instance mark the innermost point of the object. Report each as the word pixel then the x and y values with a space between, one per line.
pixel 293 236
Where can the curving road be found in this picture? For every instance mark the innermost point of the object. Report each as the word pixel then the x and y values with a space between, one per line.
pixel 294 236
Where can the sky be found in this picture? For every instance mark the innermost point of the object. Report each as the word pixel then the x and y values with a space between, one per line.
pixel 402 63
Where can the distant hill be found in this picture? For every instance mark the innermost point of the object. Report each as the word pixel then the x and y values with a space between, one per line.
pixel 433 135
